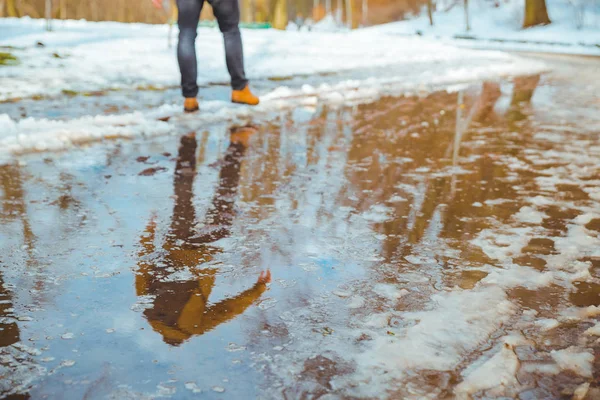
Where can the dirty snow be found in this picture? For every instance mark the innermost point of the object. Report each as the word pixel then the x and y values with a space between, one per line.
pixel 576 360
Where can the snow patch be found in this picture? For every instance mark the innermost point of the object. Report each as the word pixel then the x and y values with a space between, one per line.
pixel 574 359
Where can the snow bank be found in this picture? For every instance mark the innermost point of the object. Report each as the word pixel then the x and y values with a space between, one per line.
pixel 96 56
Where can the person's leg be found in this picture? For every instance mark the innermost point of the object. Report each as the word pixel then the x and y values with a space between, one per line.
pixel 227 13
pixel 189 15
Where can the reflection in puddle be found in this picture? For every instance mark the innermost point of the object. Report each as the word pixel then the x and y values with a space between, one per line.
pixel 418 242
pixel 175 276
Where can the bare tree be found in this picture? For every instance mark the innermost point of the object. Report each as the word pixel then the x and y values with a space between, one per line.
pixel 430 11
pixel 467 24
pixel 536 13
pixel 365 12
pixel 48 15
pixel 11 9
pixel 350 13
pixel 246 10
pixel 280 17
pixel 63 9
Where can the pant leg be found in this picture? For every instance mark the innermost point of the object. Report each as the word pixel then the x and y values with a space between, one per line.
pixel 189 15
pixel 227 13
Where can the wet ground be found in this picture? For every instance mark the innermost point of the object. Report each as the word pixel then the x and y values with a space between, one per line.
pixel 438 245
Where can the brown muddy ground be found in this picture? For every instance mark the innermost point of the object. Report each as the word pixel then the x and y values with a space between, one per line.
pixel 437 245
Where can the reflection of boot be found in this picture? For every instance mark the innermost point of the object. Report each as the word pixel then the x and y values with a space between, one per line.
pixel 242 135
pixel 244 96
pixel 190 105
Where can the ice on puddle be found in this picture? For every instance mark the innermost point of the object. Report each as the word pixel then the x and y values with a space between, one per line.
pixel 581 391
pixel 419 260
pixel 143 303
pixel 390 292
pixel 594 330
pixel 378 320
pixel 575 360
pixel 67 336
pixel 529 215
pixel 547 324
pixel 164 391
pixel 356 302
pixel 218 389
pixel 67 363
pixel 232 348
pixel 341 293
pixel 26 349
pixel 496 376
pixel 378 213
pixel 397 199
pixel 183 275
pixel 193 387
pixel 267 303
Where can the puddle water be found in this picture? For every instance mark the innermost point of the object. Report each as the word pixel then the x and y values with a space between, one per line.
pixel 413 247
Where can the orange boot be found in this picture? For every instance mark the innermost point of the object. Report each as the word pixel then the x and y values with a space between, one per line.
pixel 244 96
pixel 190 105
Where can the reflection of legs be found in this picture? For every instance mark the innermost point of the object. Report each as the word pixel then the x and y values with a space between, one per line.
pixel 221 214
pixel 184 214
pixel 228 16
pixel 189 15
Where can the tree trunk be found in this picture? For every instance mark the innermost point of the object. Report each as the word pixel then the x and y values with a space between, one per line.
pixel 63 9
pixel 48 15
pixel 430 11
pixel 11 9
pixel 246 10
pixel 467 24
pixel 280 15
pixel 365 12
pixel 121 17
pixel 350 14
pixel 536 13
pixel 524 89
pixel 94 9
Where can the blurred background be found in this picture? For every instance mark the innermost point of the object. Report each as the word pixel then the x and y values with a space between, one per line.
pixel 304 14
pixel 276 12
pixel 259 11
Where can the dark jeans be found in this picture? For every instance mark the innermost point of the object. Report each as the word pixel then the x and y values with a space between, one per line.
pixel 227 13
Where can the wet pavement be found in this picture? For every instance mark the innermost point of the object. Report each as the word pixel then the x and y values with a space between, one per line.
pixel 437 245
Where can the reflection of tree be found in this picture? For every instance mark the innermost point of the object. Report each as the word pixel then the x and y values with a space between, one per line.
pixel 181 307
pixel 9 333
pixel 10 330
pixel 524 88
pixel 13 208
pixel 437 207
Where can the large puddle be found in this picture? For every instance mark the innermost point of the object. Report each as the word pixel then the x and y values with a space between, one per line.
pixel 435 245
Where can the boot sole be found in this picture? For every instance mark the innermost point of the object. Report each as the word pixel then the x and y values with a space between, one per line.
pixel 244 103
